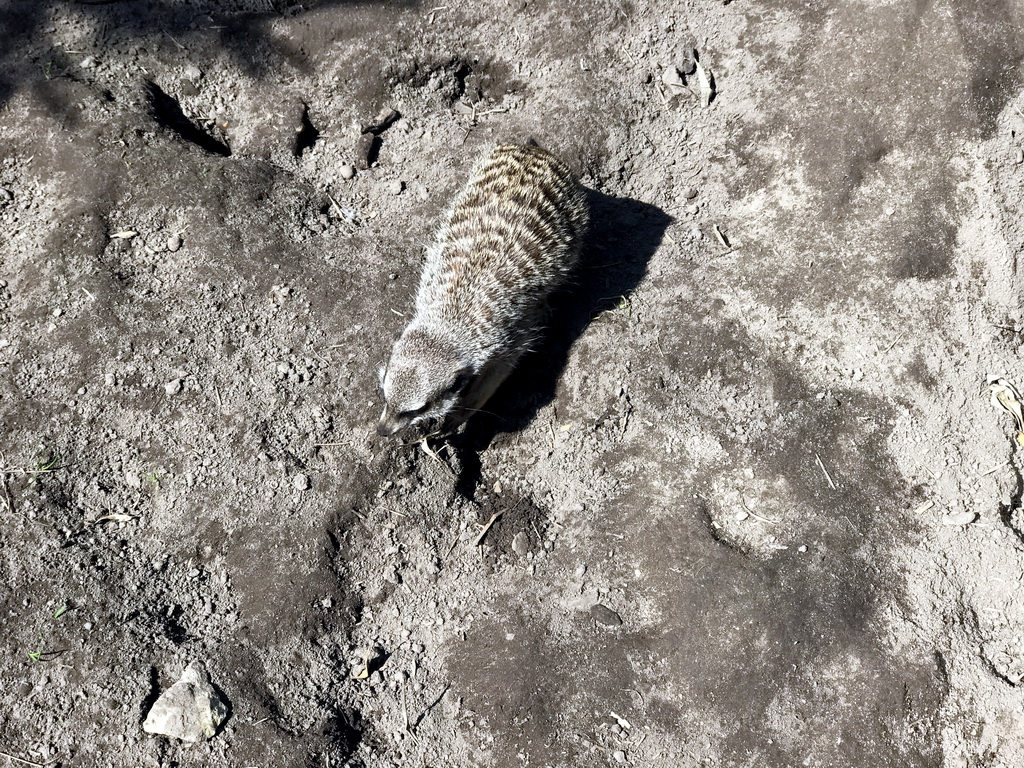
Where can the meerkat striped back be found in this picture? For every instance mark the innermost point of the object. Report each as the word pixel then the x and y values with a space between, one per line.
pixel 511 237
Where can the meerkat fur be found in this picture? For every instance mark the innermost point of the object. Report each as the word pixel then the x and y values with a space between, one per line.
pixel 510 238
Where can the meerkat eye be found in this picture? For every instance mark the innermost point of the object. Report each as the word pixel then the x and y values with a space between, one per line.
pixel 412 413
pixel 459 385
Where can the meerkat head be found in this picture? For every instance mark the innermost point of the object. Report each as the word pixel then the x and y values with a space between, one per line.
pixel 422 386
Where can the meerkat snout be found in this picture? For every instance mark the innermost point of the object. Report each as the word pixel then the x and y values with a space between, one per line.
pixel 510 239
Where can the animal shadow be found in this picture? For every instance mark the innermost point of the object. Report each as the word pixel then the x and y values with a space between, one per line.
pixel 622 237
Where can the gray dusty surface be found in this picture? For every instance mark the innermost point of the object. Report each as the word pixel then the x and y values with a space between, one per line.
pixel 750 504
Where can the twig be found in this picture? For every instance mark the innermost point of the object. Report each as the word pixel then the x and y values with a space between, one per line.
pixel 433 454
pixel 994 469
pixel 824 471
pixel 7 494
pixel 430 706
pixel 26 762
pixel 495 111
pixel 895 341
pixel 451 549
pixel 752 513
pixel 487 527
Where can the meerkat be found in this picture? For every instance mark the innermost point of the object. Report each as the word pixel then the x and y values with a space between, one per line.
pixel 511 238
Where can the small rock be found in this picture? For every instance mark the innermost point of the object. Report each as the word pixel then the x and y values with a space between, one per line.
pixel 6 195
pixel 173 243
pixel 384 119
pixel 301 482
pixel 88 62
pixel 963 518
pixel 619 756
pixel 521 544
pixel 193 73
pixel 190 710
pixel 670 77
pixel 173 387
pixel 690 192
pixel 602 614
pixel 686 60
pixel 347 172
pixel 366 150
pixel 396 187
pixel 673 82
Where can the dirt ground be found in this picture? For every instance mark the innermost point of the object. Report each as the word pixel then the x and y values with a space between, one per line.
pixel 750 504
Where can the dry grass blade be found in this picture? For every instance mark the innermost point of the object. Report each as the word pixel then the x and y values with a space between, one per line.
pixel 824 471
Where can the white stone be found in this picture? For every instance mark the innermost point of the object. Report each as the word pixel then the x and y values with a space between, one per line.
pixel 190 710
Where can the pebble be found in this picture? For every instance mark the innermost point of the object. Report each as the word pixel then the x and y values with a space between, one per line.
pixel 963 518
pixel 173 243
pixel 690 192
pixel 693 209
pixel 686 60
pixel 396 187
pixel 602 614
pixel 301 482
pixel 619 756
pixel 347 172
pixel 173 387
pixel 521 544
pixel 88 62
pixel 190 710
pixel 6 195
pixel 1019 156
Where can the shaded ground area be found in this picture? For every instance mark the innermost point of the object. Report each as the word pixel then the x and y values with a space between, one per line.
pixel 749 504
